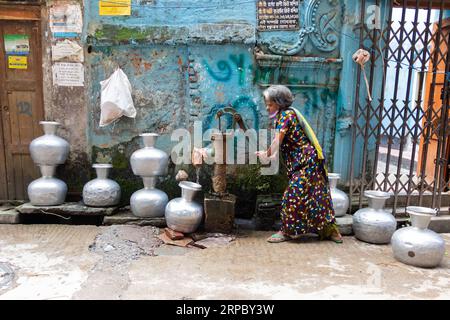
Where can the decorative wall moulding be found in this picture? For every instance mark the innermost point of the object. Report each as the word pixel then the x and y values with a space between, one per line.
pixel 321 25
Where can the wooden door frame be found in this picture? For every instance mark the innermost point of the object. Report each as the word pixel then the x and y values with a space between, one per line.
pixel 20 12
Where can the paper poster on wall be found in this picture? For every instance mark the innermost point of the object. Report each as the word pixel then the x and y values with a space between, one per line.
pixel 17 44
pixel 67 49
pixel 66 20
pixel 18 62
pixel 67 74
pixel 114 8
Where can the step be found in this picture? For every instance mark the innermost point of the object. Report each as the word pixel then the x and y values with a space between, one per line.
pixel 127 217
pixel 67 209
pixel 10 216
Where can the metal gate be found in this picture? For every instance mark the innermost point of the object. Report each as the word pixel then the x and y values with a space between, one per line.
pixel 401 139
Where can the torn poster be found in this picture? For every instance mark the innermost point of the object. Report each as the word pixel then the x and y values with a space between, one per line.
pixel 66 20
pixel 67 74
pixel 115 8
pixel 67 49
pixel 17 44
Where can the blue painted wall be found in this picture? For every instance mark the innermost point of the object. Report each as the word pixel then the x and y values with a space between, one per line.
pixel 186 59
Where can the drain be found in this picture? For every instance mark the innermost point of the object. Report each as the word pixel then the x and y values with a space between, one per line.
pixel 6 275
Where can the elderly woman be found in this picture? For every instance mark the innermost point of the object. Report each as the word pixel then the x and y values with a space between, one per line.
pixel 307 206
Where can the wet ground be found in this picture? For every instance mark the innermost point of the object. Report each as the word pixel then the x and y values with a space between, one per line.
pixel 129 262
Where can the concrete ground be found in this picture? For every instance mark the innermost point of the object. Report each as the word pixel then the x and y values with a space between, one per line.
pixel 129 262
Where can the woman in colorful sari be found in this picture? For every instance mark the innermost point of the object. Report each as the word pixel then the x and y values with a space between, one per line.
pixel 306 206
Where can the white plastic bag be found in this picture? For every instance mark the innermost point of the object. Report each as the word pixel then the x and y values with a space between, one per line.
pixel 116 100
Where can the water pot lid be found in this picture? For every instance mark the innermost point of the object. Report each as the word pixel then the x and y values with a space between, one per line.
pixel 375 194
pixel 190 185
pixel 421 211
pixel 102 165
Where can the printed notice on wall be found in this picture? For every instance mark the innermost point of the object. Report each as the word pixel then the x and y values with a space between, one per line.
pixel 17 44
pixel 67 49
pixel 276 15
pixel 114 8
pixel 66 20
pixel 67 74
pixel 18 62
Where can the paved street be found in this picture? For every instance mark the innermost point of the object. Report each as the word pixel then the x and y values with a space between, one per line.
pixel 128 262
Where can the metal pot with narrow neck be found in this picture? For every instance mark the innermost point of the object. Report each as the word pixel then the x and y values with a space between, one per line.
pixel 101 191
pixel 374 224
pixel 49 149
pixel 47 190
pixel 149 202
pixel 184 214
pixel 340 199
pixel 417 245
pixel 149 161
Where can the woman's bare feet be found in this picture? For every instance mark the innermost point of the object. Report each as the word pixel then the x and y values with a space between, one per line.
pixel 278 237
pixel 336 237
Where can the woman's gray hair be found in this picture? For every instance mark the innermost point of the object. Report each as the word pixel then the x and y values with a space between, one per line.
pixel 281 95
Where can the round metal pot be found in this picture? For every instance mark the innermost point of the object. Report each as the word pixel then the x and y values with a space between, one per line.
pixel 183 214
pixel 47 190
pixel 49 149
pixel 149 161
pixel 374 224
pixel 417 245
pixel 149 202
pixel 340 199
pixel 101 192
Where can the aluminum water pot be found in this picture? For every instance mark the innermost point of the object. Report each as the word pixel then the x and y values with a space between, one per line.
pixel 149 202
pixel 101 191
pixel 183 214
pixel 49 149
pixel 374 224
pixel 340 199
pixel 47 190
pixel 417 245
pixel 149 161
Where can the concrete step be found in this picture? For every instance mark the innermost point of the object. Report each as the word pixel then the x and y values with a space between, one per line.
pixel 67 209
pixel 9 216
pixel 439 224
pixel 127 217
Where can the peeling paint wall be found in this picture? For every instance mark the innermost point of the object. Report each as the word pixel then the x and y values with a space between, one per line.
pixel 185 60
pixel 66 105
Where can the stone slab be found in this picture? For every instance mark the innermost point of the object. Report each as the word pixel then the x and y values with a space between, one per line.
pixel 10 216
pixel 67 209
pixel 129 219
pixel 219 213
pixel 345 224
pixel 245 224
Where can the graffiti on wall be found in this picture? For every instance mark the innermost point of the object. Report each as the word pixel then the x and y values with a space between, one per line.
pixel 226 68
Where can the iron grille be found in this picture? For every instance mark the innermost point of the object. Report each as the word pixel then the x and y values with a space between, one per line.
pixel 401 139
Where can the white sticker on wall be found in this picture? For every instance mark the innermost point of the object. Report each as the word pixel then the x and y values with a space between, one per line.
pixel 67 74
pixel 67 49
pixel 66 19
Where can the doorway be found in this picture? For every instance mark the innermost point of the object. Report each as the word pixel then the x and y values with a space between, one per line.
pixel 21 98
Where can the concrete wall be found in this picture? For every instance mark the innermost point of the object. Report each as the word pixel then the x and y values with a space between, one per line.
pixel 186 61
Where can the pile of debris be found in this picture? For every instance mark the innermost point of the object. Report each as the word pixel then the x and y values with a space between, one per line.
pixel 196 240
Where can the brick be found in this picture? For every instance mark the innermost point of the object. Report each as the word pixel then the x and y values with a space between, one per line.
pixel 173 235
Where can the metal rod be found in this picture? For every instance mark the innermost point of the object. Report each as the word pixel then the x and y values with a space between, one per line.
pixel 382 98
pixel 442 141
pixel 423 61
pixel 355 121
pixel 431 100
pixel 406 107
pixel 395 98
